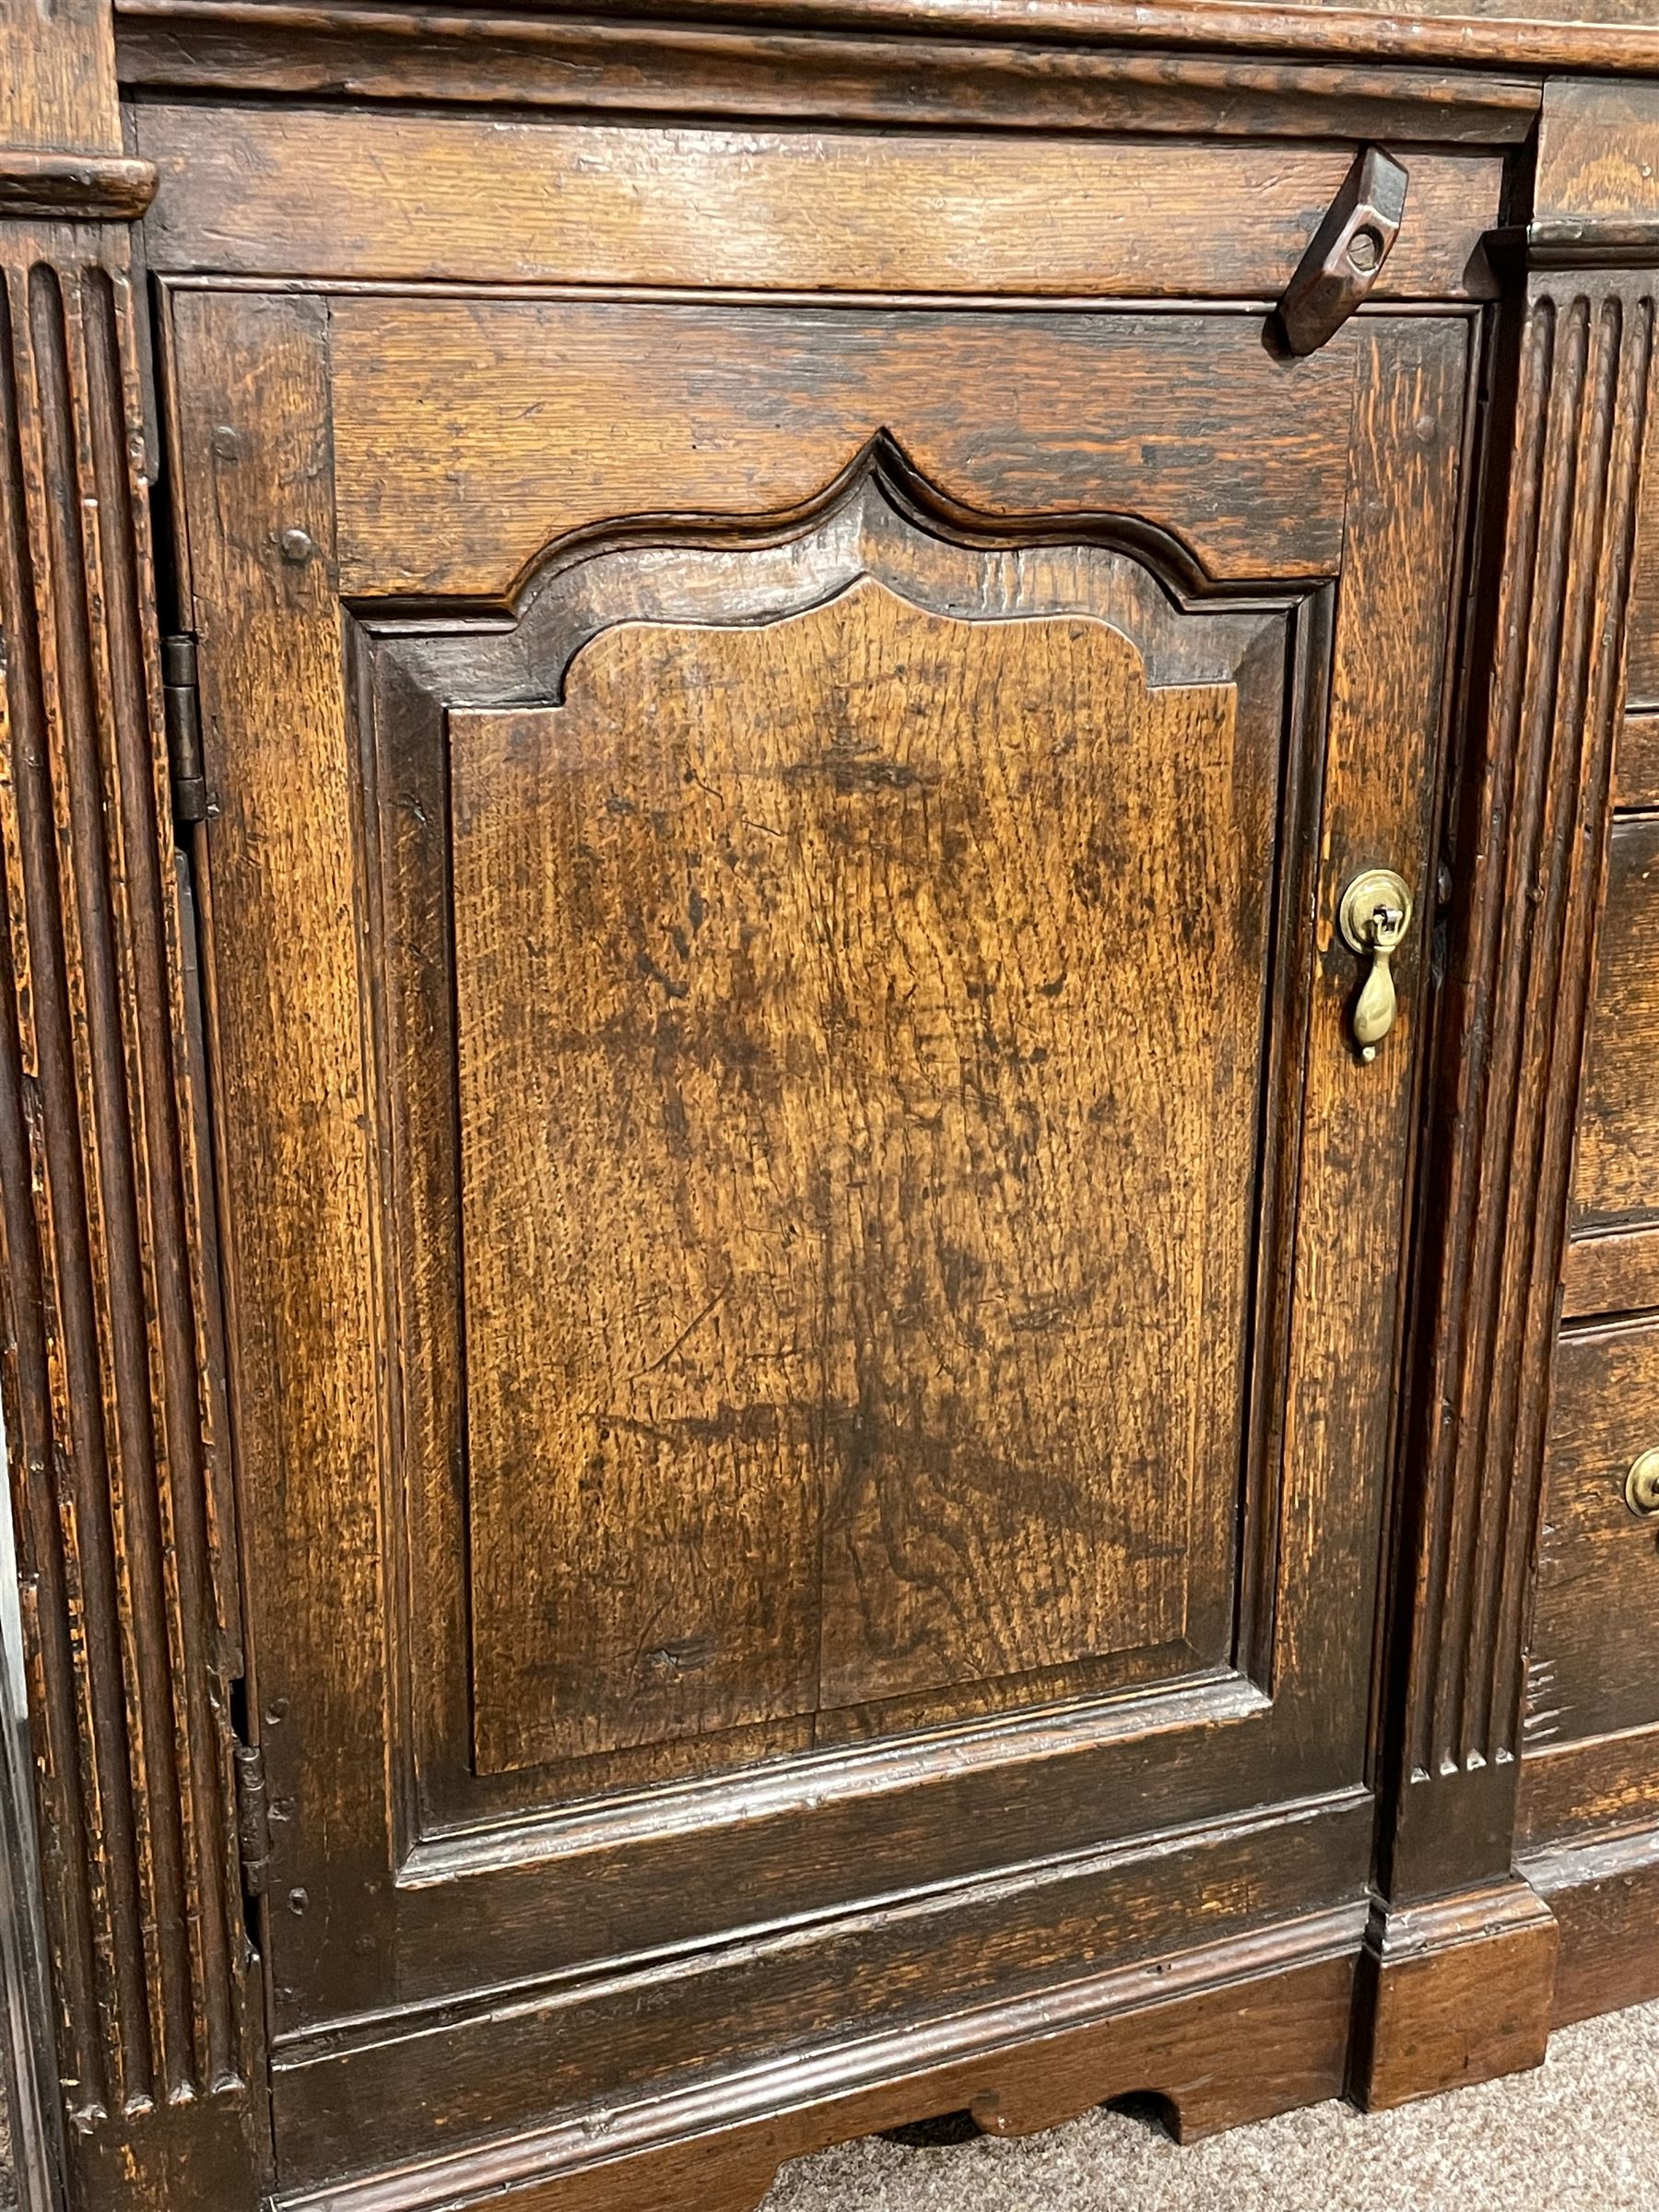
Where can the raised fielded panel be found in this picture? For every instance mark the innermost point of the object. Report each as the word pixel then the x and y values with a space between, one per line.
pixel 828 1034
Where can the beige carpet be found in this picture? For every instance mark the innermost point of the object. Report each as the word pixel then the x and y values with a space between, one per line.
pixel 1580 2136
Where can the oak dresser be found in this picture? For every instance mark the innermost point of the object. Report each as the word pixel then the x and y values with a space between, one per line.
pixel 828 1078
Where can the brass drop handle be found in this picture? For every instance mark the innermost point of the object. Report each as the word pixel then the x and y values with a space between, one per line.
pixel 1375 915
pixel 1641 1484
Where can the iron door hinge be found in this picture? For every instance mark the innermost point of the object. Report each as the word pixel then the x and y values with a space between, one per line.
pixel 253 1818
pixel 183 714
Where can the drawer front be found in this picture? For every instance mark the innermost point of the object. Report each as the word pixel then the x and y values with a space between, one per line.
pixel 1613 1260
pixel 1598 1566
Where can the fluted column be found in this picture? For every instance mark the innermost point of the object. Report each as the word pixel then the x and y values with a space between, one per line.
pixel 1460 1967
pixel 119 1490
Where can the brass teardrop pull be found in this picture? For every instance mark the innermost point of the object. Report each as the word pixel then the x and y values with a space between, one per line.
pixel 1375 915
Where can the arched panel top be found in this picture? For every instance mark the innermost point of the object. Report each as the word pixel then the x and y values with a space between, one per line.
pixel 880 521
pixel 874 524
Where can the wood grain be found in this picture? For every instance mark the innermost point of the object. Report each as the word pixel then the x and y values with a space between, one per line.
pixel 1636 764
pixel 646 1875
pixel 1604 1900
pixel 522 1875
pixel 279 191
pixel 1600 35
pixel 825 1039
pixel 1452 1992
pixel 1598 156
pixel 1598 1563
pixel 1644 599
pixel 909 1549
pixel 416 677
pixel 297 1160
pixel 1581 1789
pixel 546 2078
pixel 1215 2050
pixel 716 70
pixel 1614 1274
pixel 75 187
pixel 1357 1163
pixel 127 1576
pixel 58 94
pixel 554 417
pixel 1513 1012
pixel 1616 1171
pixel 1612 1259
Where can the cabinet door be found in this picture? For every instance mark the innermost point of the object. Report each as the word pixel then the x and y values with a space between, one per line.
pixel 814 1270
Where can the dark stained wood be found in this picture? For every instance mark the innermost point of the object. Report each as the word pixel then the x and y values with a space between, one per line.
pixel 1612 1261
pixel 275 190
pixel 599 2057
pixel 621 411
pixel 1452 1992
pixel 1644 600
pixel 1348 254
pixel 1388 671
pixel 679 68
pixel 1613 1273
pixel 296 1277
pixel 477 831
pixel 93 188
pixel 816 1104
pixel 1598 1563
pixel 1605 1899
pixel 122 1521
pixel 813 1324
pixel 1636 764
pixel 1513 1015
pixel 1232 2031
pixel 1616 1169
pixel 1574 1790
pixel 1398 550
pixel 1598 156
pixel 58 95
pixel 1594 35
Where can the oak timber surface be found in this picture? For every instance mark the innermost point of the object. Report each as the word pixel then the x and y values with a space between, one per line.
pixel 417 195
pixel 482 451
pixel 837 1044
pixel 1538 34
pixel 1615 1180
pixel 1599 1568
pixel 553 415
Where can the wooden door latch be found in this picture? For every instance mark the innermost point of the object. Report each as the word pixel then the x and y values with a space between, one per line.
pixel 1347 256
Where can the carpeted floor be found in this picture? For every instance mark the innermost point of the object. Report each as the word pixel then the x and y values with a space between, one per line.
pixel 1580 2136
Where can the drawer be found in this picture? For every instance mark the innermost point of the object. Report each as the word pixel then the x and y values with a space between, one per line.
pixel 1597 1608
pixel 1613 1261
